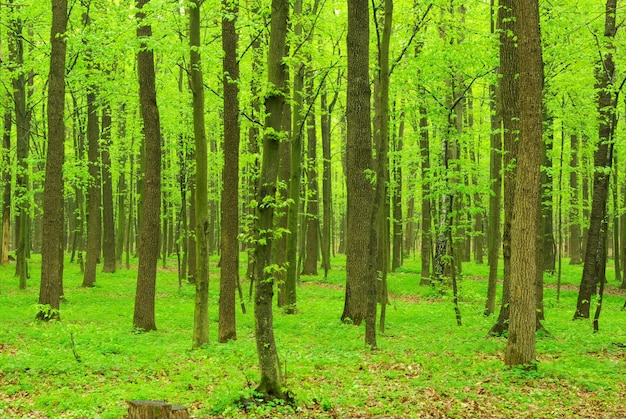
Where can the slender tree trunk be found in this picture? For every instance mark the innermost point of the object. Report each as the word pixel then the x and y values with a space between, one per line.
pixel 520 349
pixel 148 250
pixel 201 312
pixel 595 253
pixel 548 253
pixel 229 275
pixel 94 217
pixel 6 188
pixel 574 218
pixel 616 223
pixel 293 211
pixel 495 200
pixel 312 217
pixel 510 119
pixel 271 383
pixel 396 260
pixel 327 193
pixel 426 244
pixel 22 123
pixel 108 217
pixel 51 286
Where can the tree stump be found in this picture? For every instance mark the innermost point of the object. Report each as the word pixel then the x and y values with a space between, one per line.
pixel 151 409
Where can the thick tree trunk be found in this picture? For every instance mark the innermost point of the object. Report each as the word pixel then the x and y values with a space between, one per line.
pixel 201 307
pixel 229 262
pixel 148 250
pixel 51 286
pixel 520 349
pixel 595 253
pixel 359 266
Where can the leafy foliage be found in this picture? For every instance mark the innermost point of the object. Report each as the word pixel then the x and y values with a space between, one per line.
pixel 89 364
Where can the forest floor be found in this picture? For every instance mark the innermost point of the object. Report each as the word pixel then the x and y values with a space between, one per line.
pixel 91 363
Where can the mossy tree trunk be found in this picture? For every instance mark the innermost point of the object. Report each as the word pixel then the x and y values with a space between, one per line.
pixel 271 382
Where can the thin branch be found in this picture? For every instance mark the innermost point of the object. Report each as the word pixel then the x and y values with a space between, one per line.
pixel 416 29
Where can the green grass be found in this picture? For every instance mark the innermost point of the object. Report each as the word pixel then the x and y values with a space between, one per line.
pixel 425 364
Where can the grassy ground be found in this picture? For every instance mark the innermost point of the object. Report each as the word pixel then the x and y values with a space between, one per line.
pixel 90 363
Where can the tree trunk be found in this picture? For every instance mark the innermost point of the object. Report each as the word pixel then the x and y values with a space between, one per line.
pixel 22 123
pixel 495 199
pixel 520 349
pixel 312 214
pixel 149 228
pixel 327 192
pixel 396 259
pixel 548 253
pixel 574 218
pixel 510 122
pixel 426 244
pixel 229 261
pixel 293 211
pixel 108 226
pixel 595 253
pixel 201 311
pixel 271 383
pixel 94 215
pixel 149 409
pixel 360 269
pixel 51 286
pixel 6 188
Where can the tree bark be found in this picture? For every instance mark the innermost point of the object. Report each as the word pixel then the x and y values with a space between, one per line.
pixel 312 204
pixel 574 219
pixel 293 211
pixel 360 268
pixel 201 307
pixel 426 244
pixel 149 227
pixel 94 215
pixel 520 349
pixel 229 262
pixel 51 286
pixel 108 225
pixel 271 383
pixel 595 253
pixel 510 121
pixel 6 188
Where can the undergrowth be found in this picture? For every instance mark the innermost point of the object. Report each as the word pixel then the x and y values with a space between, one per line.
pixel 90 363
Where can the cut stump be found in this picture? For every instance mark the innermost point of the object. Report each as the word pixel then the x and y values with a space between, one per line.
pixel 151 409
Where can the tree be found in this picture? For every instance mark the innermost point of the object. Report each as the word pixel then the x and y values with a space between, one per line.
pixel 525 227
pixel 143 318
pixel 94 190
pixel 230 192
pixel 201 312
pixel 51 286
pixel 271 383
pixel 508 97
pixel 595 252
pixel 108 223
pixel 360 279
